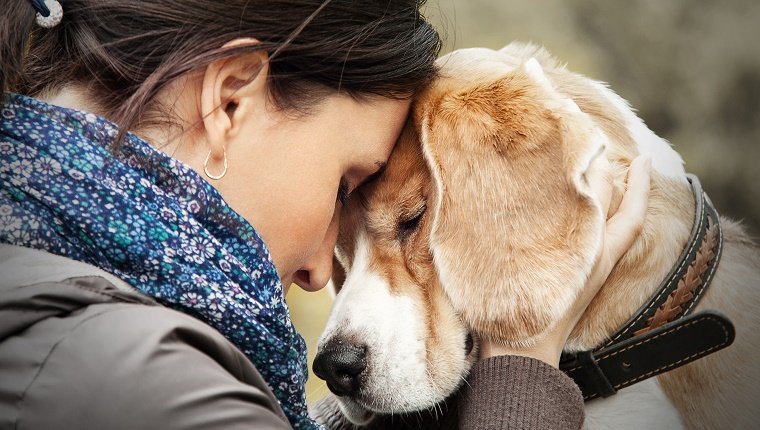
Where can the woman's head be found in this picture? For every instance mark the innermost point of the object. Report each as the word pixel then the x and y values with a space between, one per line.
pixel 298 95
pixel 125 52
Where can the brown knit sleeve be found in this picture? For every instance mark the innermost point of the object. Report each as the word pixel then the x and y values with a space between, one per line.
pixel 506 392
pixel 511 392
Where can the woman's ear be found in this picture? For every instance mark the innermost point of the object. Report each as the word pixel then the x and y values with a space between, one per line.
pixel 232 88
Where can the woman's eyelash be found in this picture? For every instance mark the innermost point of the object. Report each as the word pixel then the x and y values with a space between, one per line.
pixel 343 192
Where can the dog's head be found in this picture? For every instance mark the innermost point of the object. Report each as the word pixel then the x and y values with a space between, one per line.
pixel 484 224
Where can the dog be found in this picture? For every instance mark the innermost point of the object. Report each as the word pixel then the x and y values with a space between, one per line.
pixel 484 225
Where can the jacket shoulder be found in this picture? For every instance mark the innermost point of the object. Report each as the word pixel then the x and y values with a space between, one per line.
pixel 126 365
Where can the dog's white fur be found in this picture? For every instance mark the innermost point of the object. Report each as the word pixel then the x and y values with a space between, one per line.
pixel 665 160
pixel 463 132
pixel 640 406
pixel 391 323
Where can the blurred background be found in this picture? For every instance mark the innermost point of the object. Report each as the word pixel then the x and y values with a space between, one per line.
pixel 690 67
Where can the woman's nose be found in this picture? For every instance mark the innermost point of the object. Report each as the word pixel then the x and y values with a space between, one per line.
pixel 316 272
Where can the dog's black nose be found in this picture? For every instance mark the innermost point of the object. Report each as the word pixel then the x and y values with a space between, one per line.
pixel 340 364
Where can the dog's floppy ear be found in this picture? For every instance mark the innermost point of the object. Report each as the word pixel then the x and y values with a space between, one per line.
pixel 514 234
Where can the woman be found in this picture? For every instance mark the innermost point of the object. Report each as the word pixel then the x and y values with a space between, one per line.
pixel 191 156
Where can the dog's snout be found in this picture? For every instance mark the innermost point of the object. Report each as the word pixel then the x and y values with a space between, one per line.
pixel 341 363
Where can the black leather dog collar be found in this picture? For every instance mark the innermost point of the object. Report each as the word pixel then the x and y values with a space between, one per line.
pixel 661 335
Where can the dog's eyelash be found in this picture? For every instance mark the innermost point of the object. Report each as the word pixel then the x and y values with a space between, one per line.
pixel 343 193
pixel 409 225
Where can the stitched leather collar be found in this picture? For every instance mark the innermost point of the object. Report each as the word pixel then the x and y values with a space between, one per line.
pixel 661 335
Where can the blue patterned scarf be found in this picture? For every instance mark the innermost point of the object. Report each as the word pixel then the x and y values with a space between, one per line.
pixel 151 221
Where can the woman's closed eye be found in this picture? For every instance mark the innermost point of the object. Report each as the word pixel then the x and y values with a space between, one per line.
pixel 343 192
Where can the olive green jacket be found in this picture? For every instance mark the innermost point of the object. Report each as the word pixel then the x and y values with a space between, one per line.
pixel 80 349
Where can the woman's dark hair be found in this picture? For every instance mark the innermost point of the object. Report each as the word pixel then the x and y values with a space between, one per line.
pixel 125 52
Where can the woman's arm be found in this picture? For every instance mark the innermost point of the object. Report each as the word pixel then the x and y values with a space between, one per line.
pixel 517 392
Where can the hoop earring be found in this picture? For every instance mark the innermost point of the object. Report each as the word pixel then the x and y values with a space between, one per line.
pixel 219 176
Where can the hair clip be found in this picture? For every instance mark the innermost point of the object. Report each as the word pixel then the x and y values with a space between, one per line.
pixel 49 12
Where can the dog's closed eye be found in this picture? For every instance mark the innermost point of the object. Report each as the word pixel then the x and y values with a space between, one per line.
pixel 408 225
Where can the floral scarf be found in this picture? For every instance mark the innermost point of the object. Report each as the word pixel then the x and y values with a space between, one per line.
pixel 151 221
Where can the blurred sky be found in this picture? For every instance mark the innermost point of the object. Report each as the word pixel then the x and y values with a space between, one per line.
pixel 690 67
